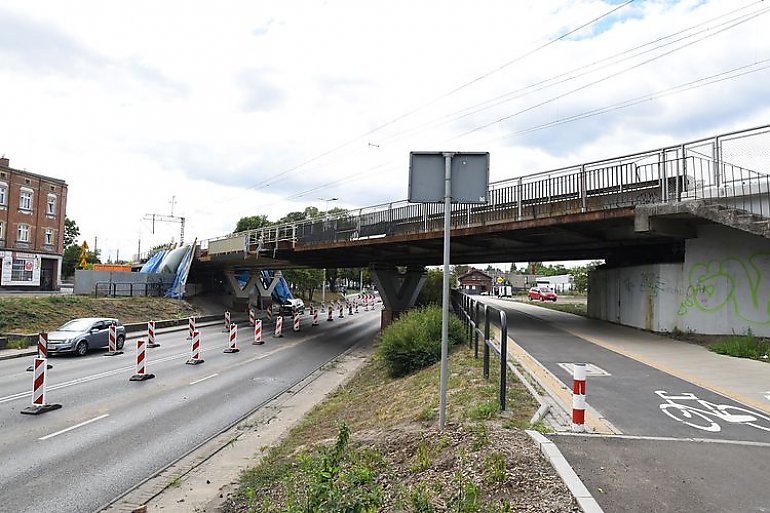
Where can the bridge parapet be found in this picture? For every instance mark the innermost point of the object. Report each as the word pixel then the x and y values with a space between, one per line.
pixel 691 171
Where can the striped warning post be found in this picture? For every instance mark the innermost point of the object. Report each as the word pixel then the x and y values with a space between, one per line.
pixel 356 306
pixel 227 322
pixel 42 351
pixel 151 335
pixel 578 397
pixel 190 327
pixel 331 314
pixel 232 346
pixel 278 326
pixel 112 341
pixel 141 362
pixel 315 317
pixel 341 311
pixel 350 308
pixel 195 359
pixel 258 333
pixel 269 312
pixel 39 404
pixel 251 317
pixel 296 321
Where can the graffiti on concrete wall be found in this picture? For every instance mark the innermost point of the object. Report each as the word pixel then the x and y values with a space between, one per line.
pixel 651 283
pixel 741 285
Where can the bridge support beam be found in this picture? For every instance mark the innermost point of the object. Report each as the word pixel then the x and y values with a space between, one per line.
pixel 254 280
pixel 398 290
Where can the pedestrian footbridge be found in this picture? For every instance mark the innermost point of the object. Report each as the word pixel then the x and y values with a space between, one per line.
pixel 702 207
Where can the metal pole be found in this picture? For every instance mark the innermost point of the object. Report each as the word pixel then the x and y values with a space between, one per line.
pixel 323 288
pixel 445 291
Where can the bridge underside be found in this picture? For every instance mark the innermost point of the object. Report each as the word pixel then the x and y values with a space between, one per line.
pixel 608 235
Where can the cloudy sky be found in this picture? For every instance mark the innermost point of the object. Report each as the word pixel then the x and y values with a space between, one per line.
pixel 239 108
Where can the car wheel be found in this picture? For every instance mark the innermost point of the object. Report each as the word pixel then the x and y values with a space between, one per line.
pixel 119 342
pixel 530 298
pixel 542 298
pixel 82 348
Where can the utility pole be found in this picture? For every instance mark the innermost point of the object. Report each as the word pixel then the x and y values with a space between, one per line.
pixel 168 219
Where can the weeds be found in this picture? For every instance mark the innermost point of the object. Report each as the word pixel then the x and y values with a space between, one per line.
pixel 743 346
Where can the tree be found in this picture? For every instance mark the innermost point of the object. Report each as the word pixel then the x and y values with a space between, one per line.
pixel 251 223
pixel 305 281
pixel 71 231
pixel 580 276
pixel 433 289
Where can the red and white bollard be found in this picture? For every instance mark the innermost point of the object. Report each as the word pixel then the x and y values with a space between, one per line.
pixel 39 404
pixel 341 310
pixel 151 335
pixel 232 346
pixel 350 308
pixel 196 349
pixel 331 314
pixel 269 313
pixel 227 322
pixel 296 321
pixel 112 341
pixel 190 327
pixel 366 304
pixel 251 317
pixel 278 326
pixel 578 397
pixel 315 317
pixel 42 350
pixel 258 333
pixel 356 306
pixel 141 362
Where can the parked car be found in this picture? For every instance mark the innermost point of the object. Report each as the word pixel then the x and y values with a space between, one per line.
pixel 79 335
pixel 541 294
pixel 289 306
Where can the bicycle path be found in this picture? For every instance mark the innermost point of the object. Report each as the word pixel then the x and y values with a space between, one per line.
pixel 631 393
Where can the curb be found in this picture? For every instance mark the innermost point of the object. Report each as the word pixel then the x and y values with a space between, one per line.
pixel 562 467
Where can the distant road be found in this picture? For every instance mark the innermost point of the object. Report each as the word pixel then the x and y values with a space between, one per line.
pixel 111 434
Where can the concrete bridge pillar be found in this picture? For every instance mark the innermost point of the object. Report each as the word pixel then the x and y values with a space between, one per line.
pixel 399 290
pixel 255 279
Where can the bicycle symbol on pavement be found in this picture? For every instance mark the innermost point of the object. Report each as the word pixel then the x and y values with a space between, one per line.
pixel 705 418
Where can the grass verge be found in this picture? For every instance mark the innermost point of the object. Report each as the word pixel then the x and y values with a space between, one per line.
pixel 374 445
pixel 743 346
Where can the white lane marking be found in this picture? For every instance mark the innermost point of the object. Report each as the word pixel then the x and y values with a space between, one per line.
pixel 591 370
pixel 204 379
pixel 100 417
pixel 767 395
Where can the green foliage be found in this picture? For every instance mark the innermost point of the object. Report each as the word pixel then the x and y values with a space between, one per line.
pixel 304 281
pixel 743 346
pixel 420 500
pixel 251 223
pixel 71 232
pixel 484 411
pixel 70 260
pixel 413 341
pixel 432 289
pixel 494 468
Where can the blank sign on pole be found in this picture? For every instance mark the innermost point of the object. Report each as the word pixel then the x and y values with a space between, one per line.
pixel 470 177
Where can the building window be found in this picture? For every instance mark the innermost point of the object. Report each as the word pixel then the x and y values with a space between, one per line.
pixel 23 233
pixel 2 230
pixel 48 237
pixel 50 206
pixel 21 270
pixel 25 201
pixel 3 193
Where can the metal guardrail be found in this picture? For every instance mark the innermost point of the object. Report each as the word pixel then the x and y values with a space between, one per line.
pixel 474 316
pixel 692 171
pixel 125 289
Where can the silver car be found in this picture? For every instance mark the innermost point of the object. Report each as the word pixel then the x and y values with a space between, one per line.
pixel 79 335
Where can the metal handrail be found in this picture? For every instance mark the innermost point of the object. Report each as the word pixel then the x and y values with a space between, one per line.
pixel 469 310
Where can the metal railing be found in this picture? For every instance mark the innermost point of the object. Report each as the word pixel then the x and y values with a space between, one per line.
pixel 475 315
pixel 690 171
pixel 125 289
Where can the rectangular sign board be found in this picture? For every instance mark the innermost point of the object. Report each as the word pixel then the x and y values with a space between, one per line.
pixel 470 177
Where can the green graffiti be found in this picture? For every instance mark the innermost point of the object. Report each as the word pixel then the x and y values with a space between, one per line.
pixel 739 284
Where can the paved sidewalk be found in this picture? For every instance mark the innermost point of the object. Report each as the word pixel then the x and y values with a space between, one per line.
pixel 746 381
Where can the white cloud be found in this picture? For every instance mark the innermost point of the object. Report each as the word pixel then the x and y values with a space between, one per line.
pixel 243 108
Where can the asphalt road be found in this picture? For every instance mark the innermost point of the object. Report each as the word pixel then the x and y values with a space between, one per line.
pixel 111 434
pixel 663 464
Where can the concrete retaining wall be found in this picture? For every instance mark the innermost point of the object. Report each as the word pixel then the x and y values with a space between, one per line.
pixel 126 283
pixel 723 287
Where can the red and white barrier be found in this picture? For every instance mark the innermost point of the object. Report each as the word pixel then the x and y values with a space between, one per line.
pixel 227 322
pixel 112 344
pixel 195 359
pixel 315 317
pixel 341 310
pixel 141 362
pixel 232 346
pixel 296 321
pixel 39 404
pixel 258 333
pixel 151 335
pixel 331 314
pixel 251 317
pixel 42 350
pixel 366 304
pixel 190 327
pixel 269 313
pixel 350 308
pixel 578 397
pixel 356 306
pixel 278 327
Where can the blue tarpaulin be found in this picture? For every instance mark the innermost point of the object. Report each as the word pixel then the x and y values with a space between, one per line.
pixel 151 266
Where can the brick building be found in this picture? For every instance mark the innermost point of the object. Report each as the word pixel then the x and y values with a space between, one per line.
pixel 32 211
pixel 475 282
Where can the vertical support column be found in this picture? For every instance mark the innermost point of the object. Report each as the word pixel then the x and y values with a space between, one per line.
pixel 398 291
pixel 583 189
pixel 520 189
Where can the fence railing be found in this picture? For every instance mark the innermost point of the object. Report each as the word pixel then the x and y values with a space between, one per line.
pixel 479 320
pixel 125 289
pixel 691 171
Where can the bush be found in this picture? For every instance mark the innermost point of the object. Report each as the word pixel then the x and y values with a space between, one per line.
pixel 413 342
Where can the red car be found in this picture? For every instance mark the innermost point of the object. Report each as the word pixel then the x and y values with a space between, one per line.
pixel 542 294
